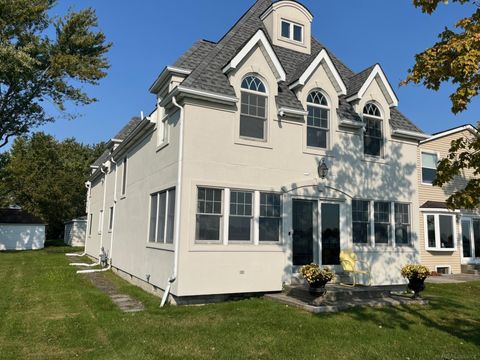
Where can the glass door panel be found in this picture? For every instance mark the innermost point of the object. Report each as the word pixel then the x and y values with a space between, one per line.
pixel 467 238
pixel 330 214
pixel 476 238
pixel 302 224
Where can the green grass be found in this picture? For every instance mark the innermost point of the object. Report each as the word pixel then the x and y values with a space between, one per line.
pixel 49 312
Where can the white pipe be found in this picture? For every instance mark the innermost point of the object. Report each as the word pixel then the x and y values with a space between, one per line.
pixel 88 185
pixel 178 200
pixel 94 271
pixel 102 219
pixel 114 215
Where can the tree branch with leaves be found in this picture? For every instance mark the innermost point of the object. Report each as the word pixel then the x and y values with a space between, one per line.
pixel 36 68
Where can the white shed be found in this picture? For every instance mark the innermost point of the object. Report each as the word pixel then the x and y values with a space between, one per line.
pixel 20 230
pixel 76 231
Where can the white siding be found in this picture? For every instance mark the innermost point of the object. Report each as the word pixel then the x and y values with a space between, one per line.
pixel 22 237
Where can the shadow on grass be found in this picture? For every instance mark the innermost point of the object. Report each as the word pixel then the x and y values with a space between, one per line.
pixel 442 313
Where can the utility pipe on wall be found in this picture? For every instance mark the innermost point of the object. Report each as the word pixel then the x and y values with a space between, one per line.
pixel 178 200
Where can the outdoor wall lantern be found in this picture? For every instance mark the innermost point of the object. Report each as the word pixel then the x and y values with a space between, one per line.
pixel 322 170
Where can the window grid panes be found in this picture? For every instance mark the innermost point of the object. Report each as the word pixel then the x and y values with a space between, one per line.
pixel 253 111
pixel 382 222
pixel 162 215
pixel 429 167
pixel 270 217
pixel 402 224
pixel 209 214
pixel 373 140
pixel 361 221
pixel 240 221
pixel 317 120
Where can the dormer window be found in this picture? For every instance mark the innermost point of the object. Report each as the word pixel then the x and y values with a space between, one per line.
pixel 253 112
pixel 373 137
pixel 317 120
pixel 292 31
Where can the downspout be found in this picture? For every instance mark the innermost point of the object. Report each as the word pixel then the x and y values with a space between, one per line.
pixel 88 185
pixel 178 200
pixel 114 215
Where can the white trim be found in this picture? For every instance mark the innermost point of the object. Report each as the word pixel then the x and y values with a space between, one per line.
pixel 439 210
pixel 437 232
pixel 259 37
pixel 207 94
pixel 323 55
pixel 410 134
pixel 283 110
pixel 165 73
pixel 377 70
pixel 282 3
pixel 291 30
pixel 351 123
pixel 468 127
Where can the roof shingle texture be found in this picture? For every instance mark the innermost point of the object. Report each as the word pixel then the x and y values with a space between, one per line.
pixel 206 61
pixel 18 216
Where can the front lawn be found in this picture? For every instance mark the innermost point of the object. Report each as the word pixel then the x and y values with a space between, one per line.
pixel 49 312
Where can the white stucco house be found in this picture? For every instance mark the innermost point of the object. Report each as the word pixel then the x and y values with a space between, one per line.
pixel 76 231
pixel 20 230
pixel 219 192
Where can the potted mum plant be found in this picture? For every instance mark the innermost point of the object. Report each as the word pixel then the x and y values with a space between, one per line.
pixel 316 277
pixel 416 275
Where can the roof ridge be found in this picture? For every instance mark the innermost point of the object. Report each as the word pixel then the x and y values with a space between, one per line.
pixel 227 37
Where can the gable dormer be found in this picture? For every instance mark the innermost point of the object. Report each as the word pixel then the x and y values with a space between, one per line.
pixel 289 25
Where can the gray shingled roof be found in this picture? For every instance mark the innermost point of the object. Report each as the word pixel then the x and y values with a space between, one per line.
pixel 121 135
pixel 18 216
pixel 434 205
pixel 206 61
pixel 356 82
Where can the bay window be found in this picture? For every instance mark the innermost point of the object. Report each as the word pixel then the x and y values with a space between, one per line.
pixel 440 232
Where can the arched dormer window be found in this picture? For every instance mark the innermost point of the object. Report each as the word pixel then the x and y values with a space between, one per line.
pixel 373 137
pixel 253 112
pixel 317 120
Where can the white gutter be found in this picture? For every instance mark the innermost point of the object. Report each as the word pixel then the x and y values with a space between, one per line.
pixel 178 192
pixel 410 134
pixel 88 185
pixel 283 110
pixel 351 123
pixel 206 94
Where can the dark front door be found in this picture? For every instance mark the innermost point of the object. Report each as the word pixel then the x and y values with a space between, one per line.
pixel 302 225
pixel 330 214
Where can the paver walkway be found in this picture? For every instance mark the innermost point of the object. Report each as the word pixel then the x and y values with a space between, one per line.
pixel 452 279
pixel 125 302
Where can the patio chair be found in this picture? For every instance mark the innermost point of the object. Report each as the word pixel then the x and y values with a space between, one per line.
pixel 349 262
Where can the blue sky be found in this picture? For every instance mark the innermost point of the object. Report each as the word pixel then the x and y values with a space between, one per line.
pixel 148 35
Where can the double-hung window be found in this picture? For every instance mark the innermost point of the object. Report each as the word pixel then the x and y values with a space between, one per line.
pixel 381 215
pixel 110 219
pixel 360 221
pixel 162 216
pixel 429 167
pixel 241 216
pixel 270 220
pixel 253 109
pixel 317 120
pixel 440 233
pixel 402 224
pixel 292 31
pixel 373 137
pixel 209 214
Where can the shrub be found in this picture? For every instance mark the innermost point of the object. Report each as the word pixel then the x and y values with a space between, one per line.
pixel 415 271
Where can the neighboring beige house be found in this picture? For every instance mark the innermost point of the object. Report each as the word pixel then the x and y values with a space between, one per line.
pixel 448 238
pixel 265 152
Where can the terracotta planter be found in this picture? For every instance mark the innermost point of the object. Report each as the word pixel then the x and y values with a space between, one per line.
pixel 416 285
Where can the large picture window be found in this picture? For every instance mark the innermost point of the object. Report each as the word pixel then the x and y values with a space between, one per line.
pixel 373 137
pixel 241 216
pixel 440 232
pixel 162 215
pixel 253 112
pixel 429 167
pixel 209 214
pixel 270 217
pixel 317 120
pixel 360 221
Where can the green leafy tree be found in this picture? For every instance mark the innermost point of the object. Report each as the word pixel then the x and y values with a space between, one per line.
pixel 455 59
pixel 47 178
pixel 36 68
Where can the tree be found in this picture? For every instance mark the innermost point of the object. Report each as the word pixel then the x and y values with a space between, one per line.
pixel 455 58
pixel 47 178
pixel 36 68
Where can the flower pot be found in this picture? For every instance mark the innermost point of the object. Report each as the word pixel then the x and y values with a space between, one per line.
pixel 416 285
pixel 318 288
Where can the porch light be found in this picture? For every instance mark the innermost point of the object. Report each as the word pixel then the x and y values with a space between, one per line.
pixel 322 170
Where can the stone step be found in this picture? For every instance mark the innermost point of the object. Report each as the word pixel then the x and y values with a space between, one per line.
pixel 337 293
pixel 473 269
